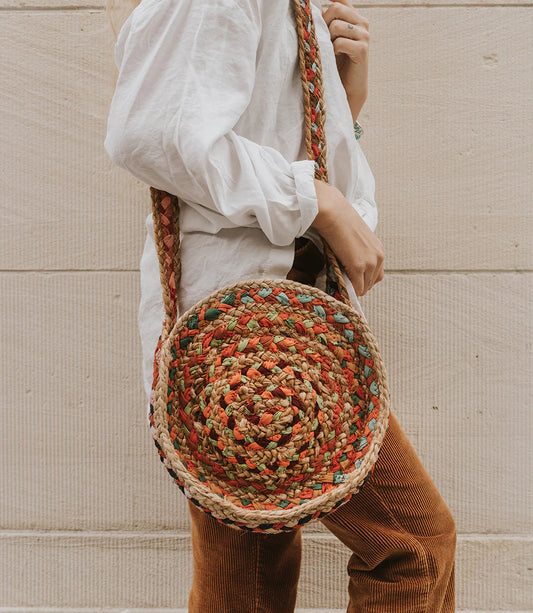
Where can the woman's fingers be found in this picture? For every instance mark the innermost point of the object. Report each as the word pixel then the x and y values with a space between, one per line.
pixel 359 284
pixel 343 10
pixel 378 272
pixel 363 281
pixel 373 277
pixel 368 273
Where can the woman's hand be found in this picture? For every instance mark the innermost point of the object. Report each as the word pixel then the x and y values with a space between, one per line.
pixel 349 33
pixel 358 249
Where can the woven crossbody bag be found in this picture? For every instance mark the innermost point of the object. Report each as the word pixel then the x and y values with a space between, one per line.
pixel 269 402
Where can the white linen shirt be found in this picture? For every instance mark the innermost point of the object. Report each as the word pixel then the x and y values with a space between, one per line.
pixel 208 106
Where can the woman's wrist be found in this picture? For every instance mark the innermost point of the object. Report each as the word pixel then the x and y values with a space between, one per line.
pixel 330 203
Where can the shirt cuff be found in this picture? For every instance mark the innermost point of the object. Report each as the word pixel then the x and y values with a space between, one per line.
pixel 304 175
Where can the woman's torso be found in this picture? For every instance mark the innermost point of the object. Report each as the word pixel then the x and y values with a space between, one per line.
pixel 215 254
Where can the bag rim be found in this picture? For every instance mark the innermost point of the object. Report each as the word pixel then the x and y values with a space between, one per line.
pixel 220 506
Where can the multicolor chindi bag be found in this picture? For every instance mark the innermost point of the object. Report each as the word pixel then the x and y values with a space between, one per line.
pixel 269 401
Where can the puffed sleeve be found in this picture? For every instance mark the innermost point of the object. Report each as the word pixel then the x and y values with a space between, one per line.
pixel 186 75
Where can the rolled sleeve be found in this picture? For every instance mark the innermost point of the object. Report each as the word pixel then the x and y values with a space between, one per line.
pixel 186 75
pixel 304 177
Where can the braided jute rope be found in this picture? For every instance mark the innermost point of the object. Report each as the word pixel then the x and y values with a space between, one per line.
pixel 269 401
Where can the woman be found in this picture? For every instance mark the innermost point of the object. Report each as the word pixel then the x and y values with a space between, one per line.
pixel 208 106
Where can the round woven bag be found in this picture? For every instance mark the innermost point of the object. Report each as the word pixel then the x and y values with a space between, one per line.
pixel 269 402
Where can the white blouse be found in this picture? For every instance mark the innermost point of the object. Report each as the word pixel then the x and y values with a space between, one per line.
pixel 208 106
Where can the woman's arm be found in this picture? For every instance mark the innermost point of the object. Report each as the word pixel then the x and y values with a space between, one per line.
pixel 186 75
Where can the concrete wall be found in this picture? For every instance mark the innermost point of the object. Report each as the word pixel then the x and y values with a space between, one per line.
pixel 89 518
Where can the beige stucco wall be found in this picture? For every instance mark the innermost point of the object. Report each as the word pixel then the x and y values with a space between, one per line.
pixel 89 517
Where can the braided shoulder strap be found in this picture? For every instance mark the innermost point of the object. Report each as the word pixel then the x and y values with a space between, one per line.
pixel 165 206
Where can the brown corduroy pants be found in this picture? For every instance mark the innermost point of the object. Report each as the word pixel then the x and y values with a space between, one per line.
pixel 400 531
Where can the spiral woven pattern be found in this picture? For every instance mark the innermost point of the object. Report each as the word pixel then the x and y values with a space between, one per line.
pixel 266 404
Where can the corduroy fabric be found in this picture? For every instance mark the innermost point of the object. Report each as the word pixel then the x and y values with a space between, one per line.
pixel 399 528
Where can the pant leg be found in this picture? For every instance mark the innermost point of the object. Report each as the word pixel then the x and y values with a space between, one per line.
pixel 402 536
pixel 235 571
